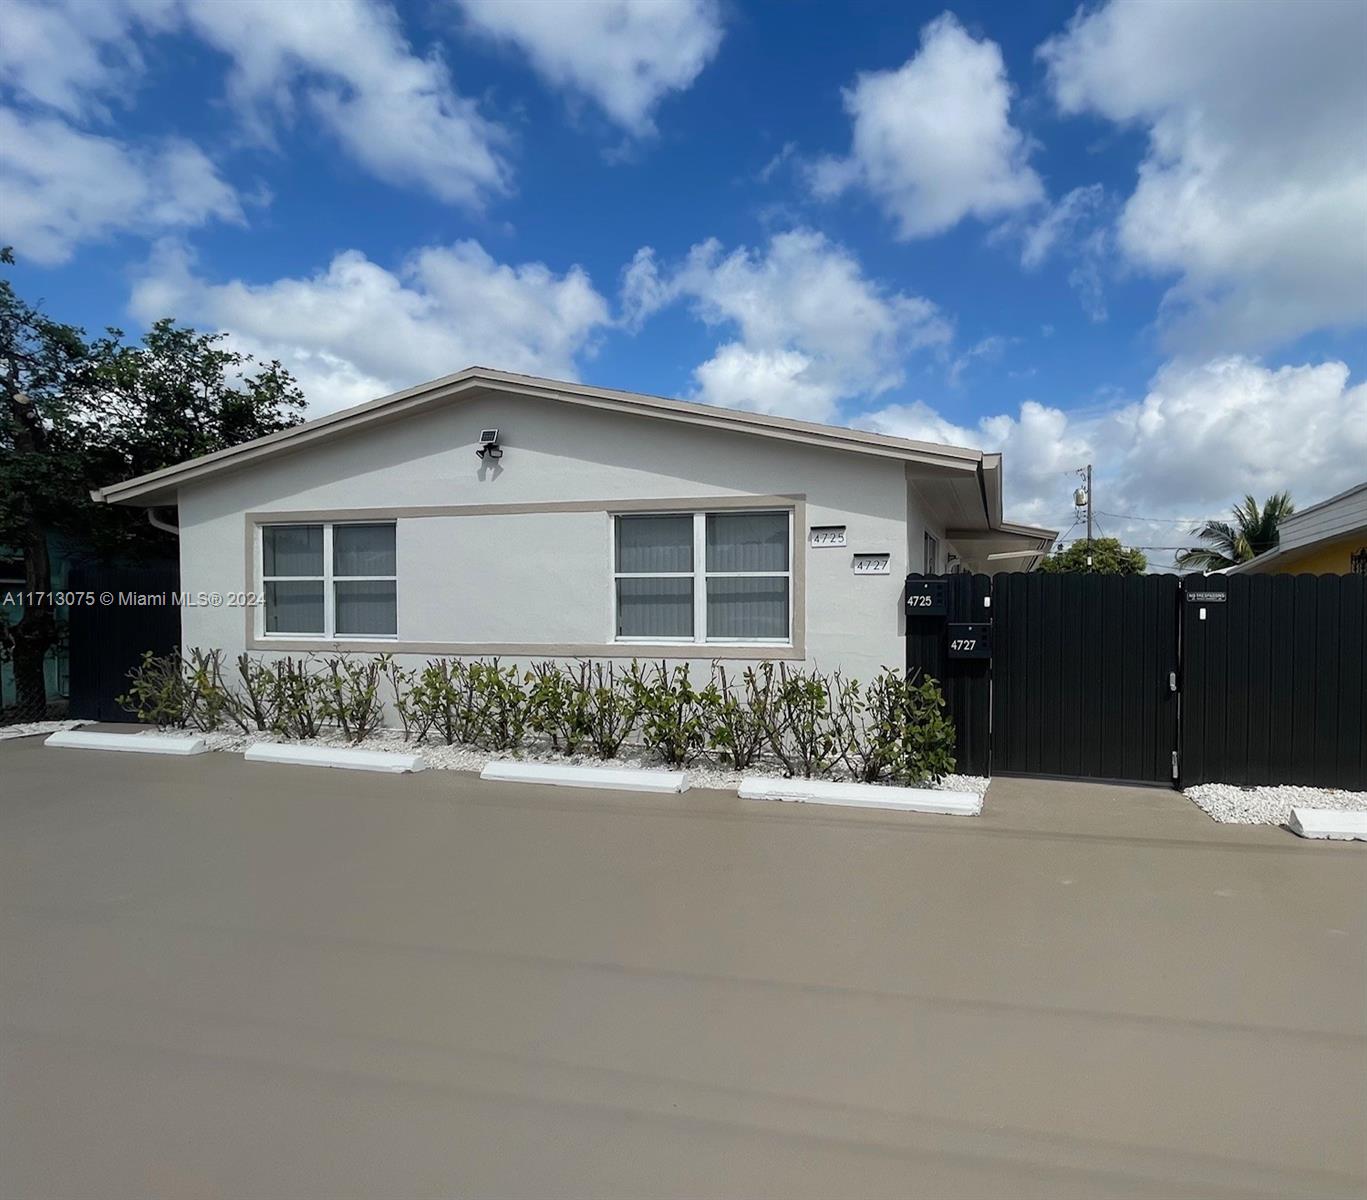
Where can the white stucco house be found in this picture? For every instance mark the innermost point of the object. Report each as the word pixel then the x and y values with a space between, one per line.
pixel 599 524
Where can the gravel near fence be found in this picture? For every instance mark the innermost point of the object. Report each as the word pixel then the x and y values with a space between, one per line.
pixel 34 728
pixel 1268 805
pixel 441 757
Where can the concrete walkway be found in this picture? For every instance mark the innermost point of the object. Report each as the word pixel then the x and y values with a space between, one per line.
pixel 227 980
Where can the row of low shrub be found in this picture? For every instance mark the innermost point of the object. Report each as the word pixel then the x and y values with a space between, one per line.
pixel 806 722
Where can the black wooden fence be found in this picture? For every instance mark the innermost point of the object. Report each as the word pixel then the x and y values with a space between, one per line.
pixel 109 636
pixel 1233 679
pixel 1274 680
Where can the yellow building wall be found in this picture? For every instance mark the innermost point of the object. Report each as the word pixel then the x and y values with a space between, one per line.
pixel 1326 558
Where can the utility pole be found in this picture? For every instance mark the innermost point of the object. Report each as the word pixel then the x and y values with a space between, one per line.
pixel 1083 496
pixel 1089 516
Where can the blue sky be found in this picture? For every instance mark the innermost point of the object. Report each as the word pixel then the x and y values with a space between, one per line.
pixel 1133 234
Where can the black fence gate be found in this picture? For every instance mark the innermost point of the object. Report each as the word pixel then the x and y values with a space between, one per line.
pixel 108 638
pixel 1274 680
pixel 1155 679
pixel 1084 679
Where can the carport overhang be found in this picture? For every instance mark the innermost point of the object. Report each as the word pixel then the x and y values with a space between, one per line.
pixel 965 500
pixel 1026 545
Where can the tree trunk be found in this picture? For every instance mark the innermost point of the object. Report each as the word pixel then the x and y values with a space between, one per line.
pixel 36 631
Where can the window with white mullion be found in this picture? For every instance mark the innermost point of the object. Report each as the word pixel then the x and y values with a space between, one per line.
pixel 654 557
pixel 749 576
pixel 348 585
pixel 293 577
pixel 703 577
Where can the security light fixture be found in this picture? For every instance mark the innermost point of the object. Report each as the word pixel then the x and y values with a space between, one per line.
pixel 488 444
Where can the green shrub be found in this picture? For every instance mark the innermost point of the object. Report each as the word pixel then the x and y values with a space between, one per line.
pixel 350 695
pixel 254 702
pixel 157 692
pixel 928 753
pixel 441 700
pixel 559 704
pixel 895 728
pixel 677 719
pixel 300 698
pixel 611 706
pixel 737 727
pixel 799 725
pixel 501 704
pixel 413 719
pixel 208 701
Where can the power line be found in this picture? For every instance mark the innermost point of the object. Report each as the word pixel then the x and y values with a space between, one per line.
pixel 1153 520
pixel 1139 547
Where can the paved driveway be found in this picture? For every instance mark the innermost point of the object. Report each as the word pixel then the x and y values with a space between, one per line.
pixel 222 979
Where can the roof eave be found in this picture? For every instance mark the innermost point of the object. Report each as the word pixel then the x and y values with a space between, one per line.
pixel 145 488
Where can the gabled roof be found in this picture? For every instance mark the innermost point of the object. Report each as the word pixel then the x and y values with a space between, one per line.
pixel 159 487
pixel 483 379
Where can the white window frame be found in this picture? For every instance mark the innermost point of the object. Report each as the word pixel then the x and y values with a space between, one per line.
pixel 700 575
pixel 930 546
pixel 329 581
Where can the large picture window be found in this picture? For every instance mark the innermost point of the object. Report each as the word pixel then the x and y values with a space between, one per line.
pixel 703 577
pixel 329 581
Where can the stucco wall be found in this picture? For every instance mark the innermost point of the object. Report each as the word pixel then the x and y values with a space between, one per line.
pixel 543 578
pixel 1332 557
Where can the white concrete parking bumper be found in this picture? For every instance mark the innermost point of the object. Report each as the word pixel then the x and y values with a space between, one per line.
pixel 130 743
pixel 1334 824
pixel 618 779
pixel 861 795
pixel 343 757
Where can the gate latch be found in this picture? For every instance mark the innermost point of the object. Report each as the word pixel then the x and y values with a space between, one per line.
pixel 1172 681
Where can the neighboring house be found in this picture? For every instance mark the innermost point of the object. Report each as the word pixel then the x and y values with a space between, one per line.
pixel 613 525
pixel 1328 538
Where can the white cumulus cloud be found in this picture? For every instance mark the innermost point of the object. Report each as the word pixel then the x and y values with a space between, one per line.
pixel 60 187
pixel 345 64
pixel 626 55
pixel 68 56
pixel 809 329
pixel 932 140
pixel 356 330
pixel 1203 435
pixel 1253 189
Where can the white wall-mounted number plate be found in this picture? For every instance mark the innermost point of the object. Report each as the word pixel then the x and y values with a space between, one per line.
pixel 872 564
pixel 820 536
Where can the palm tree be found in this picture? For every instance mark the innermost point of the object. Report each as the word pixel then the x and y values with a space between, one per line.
pixel 1254 532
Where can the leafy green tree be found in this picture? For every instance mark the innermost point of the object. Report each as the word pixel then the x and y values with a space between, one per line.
pixel 1254 531
pixel 77 414
pixel 38 356
pixel 1108 557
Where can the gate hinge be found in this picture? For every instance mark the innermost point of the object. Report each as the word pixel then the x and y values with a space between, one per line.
pixel 1174 764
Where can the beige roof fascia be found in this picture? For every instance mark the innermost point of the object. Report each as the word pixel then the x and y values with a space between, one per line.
pixel 157 485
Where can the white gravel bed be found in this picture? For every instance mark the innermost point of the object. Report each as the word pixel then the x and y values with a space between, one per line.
pixel 1270 805
pixel 33 728
pixel 704 773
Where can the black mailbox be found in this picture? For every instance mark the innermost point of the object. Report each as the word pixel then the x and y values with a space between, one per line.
pixel 927 598
pixel 970 639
